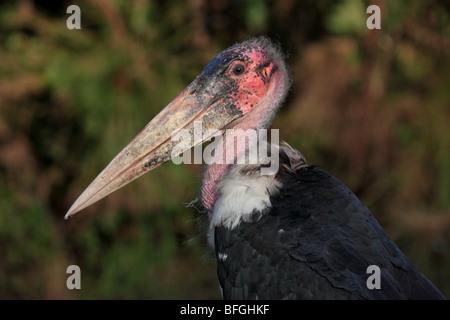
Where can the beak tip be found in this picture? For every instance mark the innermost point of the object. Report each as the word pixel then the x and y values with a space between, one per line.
pixel 69 214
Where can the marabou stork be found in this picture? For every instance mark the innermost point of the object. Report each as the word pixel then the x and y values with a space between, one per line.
pixel 296 234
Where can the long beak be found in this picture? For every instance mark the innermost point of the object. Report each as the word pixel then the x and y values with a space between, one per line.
pixel 153 145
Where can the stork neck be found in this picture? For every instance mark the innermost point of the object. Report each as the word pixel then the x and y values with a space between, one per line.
pixel 258 119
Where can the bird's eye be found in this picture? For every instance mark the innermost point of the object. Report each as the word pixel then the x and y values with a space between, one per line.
pixel 238 69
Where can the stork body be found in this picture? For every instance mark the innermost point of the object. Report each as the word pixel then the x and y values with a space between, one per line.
pixel 295 234
pixel 313 240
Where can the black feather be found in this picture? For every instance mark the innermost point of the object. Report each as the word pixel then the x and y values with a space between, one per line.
pixel 316 242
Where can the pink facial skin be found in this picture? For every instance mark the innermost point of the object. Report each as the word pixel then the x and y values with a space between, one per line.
pixel 253 79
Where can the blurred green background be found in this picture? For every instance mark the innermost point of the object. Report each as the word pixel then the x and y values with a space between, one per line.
pixel 370 106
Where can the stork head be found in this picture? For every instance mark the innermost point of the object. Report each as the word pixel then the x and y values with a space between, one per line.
pixel 244 84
